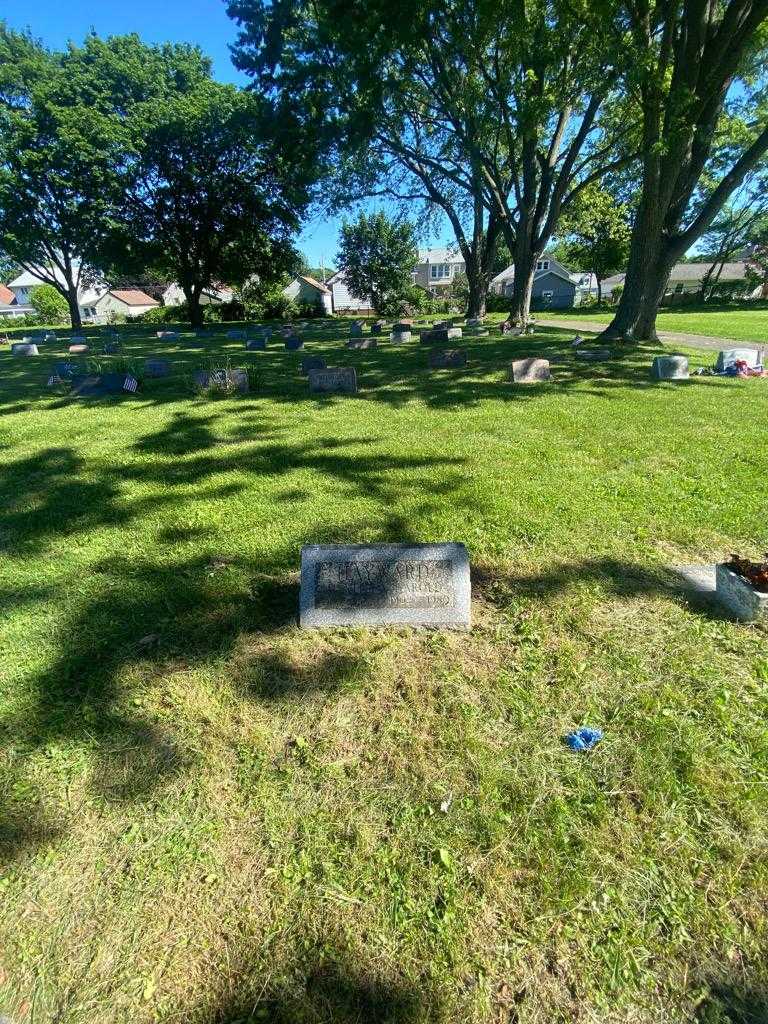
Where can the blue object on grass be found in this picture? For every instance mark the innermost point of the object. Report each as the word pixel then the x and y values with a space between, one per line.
pixel 584 738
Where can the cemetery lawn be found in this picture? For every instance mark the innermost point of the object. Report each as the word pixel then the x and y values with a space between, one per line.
pixel 207 815
pixel 742 323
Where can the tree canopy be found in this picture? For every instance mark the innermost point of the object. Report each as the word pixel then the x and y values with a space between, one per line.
pixel 378 255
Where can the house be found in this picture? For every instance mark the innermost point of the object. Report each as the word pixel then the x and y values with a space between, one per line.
pixel 687 277
pixel 306 291
pixel 554 286
pixel 87 296
pixel 342 301
pixel 437 268
pixel 128 302
pixel 173 295
pixel 9 307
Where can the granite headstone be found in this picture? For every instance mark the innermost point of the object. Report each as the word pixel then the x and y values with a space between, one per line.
pixel 670 368
pixel 333 380
pixel 530 371
pixel 385 585
pixel 449 358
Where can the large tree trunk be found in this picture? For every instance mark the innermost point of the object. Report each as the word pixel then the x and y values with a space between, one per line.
pixel 74 307
pixel 478 292
pixel 192 295
pixel 522 286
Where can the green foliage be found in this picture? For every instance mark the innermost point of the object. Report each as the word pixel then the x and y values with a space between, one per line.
pixel 209 199
pixel 51 306
pixel 378 255
pixel 595 232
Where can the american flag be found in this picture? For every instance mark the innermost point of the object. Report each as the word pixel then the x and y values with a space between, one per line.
pixel 54 379
pixel 130 384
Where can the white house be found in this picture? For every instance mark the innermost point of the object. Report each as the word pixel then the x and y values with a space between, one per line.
pixel 342 301
pixel 23 285
pixel 128 302
pixel 9 307
pixel 306 291
pixel 174 295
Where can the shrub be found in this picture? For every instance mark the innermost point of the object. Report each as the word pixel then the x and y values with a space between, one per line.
pixel 51 306
pixel 616 292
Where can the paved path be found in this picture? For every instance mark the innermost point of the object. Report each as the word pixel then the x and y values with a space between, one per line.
pixel 692 340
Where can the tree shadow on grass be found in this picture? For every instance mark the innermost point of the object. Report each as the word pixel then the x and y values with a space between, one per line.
pixel 737 1003
pixel 619 578
pixel 333 988
pixel 145 615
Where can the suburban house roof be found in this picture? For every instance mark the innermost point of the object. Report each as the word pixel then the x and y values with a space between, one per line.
pixel 444 255
pixel 695 271
pixel 88 295
pixel 553 268
pixel 131 297
pixel 6 296
pixel 315 284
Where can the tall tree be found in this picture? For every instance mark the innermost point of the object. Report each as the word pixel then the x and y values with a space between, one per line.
pixel 699 73
pixel 490 113
pixel 208 200
pixel 378 256
pixel 595 235
pixel 63 143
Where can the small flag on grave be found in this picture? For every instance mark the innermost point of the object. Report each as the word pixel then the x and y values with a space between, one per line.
pixel 130 384
pixel 54 379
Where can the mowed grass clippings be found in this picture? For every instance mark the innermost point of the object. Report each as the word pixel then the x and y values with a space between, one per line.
pixel 207 815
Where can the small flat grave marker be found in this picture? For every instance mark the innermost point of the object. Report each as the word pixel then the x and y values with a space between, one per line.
pixel 449 358
pixel 256 344
pixel 530 371
pixel 168 335
pixel 24 348
pixel 78 350
pixel 670 368
pixel 593 355
pixel 333 380
pixel 362 343
pixel 385 585
pixel 157 368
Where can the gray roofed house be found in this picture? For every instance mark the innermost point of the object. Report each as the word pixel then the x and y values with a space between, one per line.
pixel 554 287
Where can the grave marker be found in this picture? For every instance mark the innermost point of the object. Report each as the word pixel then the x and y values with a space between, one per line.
pixel 450 358
pixel 24 348
pixel 256 344
pixel 362 343
pixel 157 368
pixel 385 585
pixel 530 371
pixel 333 380
pixel 293 343
pixel 670 368
pixel 727 357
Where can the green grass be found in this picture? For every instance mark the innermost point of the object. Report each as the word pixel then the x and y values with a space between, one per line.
pixel 740 323
pixel 207 815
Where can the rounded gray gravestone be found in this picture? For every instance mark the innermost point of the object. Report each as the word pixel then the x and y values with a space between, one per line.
pixel 530 371
pixel 670 368
pixel 24 348
pixel 398 337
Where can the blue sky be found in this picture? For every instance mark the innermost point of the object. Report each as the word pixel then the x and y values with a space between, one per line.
pixel 204 22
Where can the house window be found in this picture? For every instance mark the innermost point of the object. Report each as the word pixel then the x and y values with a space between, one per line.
pixel 438 271
pixel 542 264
